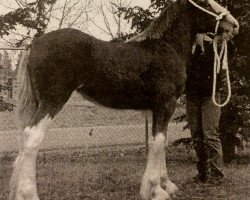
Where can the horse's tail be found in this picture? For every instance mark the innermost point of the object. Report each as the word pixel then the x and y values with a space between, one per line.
pixel 26 106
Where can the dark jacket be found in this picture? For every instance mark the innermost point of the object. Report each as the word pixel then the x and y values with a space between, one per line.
pixel 199 83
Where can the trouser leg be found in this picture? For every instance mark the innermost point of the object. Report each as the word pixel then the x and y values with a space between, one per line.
pixel 194 118
pixel 210 123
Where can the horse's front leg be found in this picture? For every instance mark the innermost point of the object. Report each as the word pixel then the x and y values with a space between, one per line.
pixel 156 184
pixel 23 179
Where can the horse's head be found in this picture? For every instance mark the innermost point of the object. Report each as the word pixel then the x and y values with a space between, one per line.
pixel 209 16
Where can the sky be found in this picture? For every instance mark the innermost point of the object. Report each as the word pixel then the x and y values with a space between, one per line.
pixel 91 28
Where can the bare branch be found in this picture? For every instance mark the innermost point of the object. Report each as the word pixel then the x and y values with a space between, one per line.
pixel 72 11
pixel 106 21
pixel 100 27
pixel 12 45
pixel 9 7
pixel 20 3
pixel 77 17
pixel 63 13
pixel 16 33
pixel 112 10
pixel 49 13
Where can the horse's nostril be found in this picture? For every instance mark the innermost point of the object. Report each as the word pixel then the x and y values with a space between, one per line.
pixel 235 26
pixel 236 29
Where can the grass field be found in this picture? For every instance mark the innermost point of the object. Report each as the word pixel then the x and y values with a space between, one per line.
pixel 114 174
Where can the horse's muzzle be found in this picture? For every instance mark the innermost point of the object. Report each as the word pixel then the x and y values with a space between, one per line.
pixel 236 28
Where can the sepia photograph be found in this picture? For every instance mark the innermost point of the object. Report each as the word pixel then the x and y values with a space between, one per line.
pixel 124 100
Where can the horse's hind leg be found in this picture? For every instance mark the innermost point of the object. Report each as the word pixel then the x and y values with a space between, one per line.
pixel 23 180
pixel 155 183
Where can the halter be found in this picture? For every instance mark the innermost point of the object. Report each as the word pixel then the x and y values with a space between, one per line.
pixel 218 56
pixel 217 17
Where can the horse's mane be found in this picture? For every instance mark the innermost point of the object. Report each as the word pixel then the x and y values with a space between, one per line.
pixel 159 25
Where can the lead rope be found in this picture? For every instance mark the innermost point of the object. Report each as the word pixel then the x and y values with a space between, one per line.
pixel 218 58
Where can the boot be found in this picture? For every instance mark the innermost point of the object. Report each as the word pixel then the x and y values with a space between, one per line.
pixel 215 162
pixel 202 165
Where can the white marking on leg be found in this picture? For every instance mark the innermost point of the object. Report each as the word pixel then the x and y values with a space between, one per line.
pixel 23 180
pixel 18 159
pixel 167 185
pixel 151 181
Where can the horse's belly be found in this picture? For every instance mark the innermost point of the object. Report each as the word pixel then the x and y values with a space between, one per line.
pixel 120 98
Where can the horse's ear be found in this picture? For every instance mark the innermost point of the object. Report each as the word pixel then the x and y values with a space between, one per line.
pixel 182 2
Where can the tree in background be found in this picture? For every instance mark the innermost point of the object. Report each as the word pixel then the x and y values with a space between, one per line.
pixel 6 80
pixel 236 115
pixel 141 18
pixel 5 62
pixel 33 16
pixel 111 20
pixel 69 13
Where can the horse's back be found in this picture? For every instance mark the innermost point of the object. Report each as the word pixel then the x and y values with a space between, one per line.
pixel 62 36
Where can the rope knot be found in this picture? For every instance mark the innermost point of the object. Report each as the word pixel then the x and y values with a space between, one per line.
pixel 221 15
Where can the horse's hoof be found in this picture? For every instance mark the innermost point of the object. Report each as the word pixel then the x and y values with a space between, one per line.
pixel 159 194
pixel 171 188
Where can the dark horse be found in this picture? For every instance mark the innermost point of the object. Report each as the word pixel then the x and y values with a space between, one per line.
pixel 147 72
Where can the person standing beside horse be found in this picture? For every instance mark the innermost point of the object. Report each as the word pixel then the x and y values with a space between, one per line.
pixel 202 114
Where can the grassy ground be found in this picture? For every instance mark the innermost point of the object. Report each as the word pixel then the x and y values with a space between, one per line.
pixel 115 174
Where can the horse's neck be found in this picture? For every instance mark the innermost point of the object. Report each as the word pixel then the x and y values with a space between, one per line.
pixel 180 36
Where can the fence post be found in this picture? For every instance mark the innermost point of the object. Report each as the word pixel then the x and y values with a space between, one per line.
pixel 146 131
pixel 10 88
